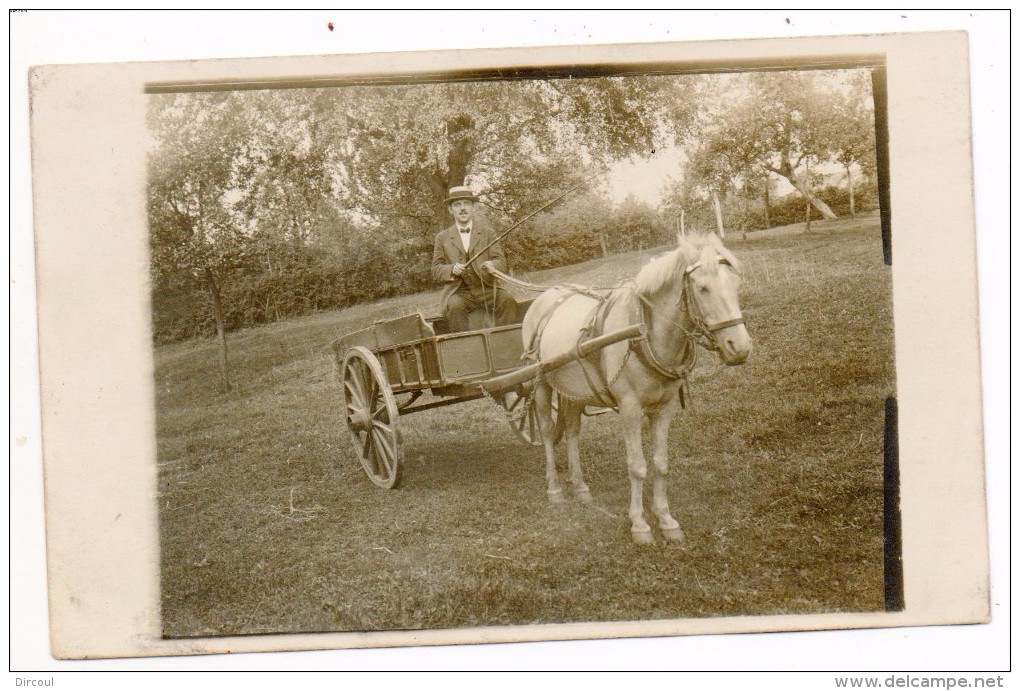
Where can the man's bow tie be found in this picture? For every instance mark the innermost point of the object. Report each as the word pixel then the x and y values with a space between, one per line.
pixel 465 230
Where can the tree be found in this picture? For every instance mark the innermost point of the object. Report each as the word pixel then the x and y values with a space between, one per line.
pixel 191 234
pixel 712 173
pixel 272 184
pixel 854 131
pixel 283 184
pixel 404 146
pixel 781 120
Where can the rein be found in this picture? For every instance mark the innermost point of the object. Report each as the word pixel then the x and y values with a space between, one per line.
pixel 703 333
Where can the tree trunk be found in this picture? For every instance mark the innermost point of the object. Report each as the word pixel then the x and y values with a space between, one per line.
pixel 602 242
pixel 440 215
pixel 807 217
pixel 768 206
pixel 718 214
pixel 221 334
pixel 850 184
pixel 803 186
pixel 460 135
pixel 822 207
pixel 683 223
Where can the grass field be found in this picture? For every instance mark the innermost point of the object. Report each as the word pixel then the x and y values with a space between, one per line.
pixel 268 523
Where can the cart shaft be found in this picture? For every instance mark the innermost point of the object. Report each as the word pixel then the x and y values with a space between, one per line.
pixel 583 349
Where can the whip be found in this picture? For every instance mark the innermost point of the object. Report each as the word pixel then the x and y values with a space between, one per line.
pixel 534 213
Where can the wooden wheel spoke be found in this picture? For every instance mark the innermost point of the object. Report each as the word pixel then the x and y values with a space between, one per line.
pixel 524 418
pixel 366 448
pixel 354 385
pixel 378 465
pixel 512 406
pixel 372 393
pixel 372 416
pixel 384 455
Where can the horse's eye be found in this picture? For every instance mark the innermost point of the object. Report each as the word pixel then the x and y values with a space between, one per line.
pixel 703 289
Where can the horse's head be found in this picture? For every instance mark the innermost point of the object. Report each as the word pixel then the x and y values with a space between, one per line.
pixel 711 287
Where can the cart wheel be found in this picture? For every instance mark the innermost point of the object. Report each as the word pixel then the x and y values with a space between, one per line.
pixel 371 413
pixel 520 404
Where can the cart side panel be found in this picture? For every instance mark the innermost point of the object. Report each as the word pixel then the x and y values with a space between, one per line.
pixel 411 365
pixel 401 330
pixel 365 338
pixel 430 360
pixel 506 348
pixel 383 335
pixel 477 354
pixel 464 355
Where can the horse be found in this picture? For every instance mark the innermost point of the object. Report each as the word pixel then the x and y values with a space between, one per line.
pixel 685 298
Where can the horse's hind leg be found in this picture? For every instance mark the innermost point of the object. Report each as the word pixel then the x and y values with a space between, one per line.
pixel 546 424
pixel 573 411
pixel 637 468
pixel 660 423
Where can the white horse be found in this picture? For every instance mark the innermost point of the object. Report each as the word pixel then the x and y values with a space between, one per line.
pixel 684 297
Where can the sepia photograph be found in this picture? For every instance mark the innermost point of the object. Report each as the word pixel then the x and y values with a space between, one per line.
pixel 422 350
pixel 513 345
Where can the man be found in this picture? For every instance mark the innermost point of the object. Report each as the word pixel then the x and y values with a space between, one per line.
pixel 469 287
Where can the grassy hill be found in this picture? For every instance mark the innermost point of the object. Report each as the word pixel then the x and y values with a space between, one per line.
pixel 268 523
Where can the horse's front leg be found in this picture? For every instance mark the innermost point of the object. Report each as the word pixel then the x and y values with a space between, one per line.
pixel 543 406
pixel 660 424
pixel 630 418
pixel 572 431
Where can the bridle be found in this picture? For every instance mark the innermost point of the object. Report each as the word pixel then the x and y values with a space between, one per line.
pixel 704 332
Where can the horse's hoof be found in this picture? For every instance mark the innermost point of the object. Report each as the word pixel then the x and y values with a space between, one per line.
pixel 584 496
pixel 643 537
pixel 556 497
pixel 673 534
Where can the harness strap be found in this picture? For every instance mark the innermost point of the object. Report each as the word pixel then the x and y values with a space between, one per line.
pixel 642 347
pixel 593 327
pixel 723 325
pixel 531 351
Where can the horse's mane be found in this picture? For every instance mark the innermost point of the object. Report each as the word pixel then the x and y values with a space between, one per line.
pixel 666 268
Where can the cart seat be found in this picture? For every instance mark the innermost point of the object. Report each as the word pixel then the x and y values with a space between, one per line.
pixel 476 320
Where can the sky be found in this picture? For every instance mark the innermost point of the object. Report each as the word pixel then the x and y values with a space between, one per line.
pixel 644 178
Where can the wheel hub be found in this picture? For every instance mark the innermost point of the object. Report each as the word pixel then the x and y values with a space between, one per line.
pixel 361 420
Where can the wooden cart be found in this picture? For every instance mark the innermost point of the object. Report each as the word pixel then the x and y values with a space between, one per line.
pixel 387 368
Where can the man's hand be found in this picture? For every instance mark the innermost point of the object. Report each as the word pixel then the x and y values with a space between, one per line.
pixel 458 269
pixel 489 266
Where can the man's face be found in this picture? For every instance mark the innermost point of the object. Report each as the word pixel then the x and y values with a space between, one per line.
pixel 462 210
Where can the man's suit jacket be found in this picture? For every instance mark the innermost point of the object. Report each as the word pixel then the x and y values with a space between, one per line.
pixel 448 251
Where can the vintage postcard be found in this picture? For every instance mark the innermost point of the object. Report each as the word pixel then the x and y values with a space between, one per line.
pixel 395 349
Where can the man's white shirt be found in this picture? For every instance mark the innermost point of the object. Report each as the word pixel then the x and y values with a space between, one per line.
pixel 465 237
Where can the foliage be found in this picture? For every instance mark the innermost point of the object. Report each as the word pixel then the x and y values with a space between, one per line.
pixel 404 146
pixel 269 204
pixel 577 231
pixel 781 123
pixel 789 210
pixel 266 204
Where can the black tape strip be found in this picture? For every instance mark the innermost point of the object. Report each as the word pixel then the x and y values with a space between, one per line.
pixel 892 530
